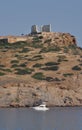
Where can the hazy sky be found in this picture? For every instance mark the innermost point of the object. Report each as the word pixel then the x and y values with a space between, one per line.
pixel 17 16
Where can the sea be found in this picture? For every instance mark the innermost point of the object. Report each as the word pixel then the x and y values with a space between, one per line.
pixel 57 118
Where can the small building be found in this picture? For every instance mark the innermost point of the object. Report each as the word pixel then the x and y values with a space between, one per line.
pixel 34 29
pixel 46 28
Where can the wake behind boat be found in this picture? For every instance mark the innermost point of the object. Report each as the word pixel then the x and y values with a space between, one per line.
pixel 41 107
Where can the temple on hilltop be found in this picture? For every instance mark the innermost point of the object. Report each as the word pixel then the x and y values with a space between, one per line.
pixel 44 28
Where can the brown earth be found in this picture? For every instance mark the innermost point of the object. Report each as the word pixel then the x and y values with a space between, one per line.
pixel 42 67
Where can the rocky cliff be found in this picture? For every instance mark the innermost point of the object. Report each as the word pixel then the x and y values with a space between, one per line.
pixel 42 67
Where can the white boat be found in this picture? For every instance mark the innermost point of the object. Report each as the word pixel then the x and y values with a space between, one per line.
pixel 41 107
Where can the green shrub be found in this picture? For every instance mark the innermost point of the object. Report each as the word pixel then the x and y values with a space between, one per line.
pixel 36 39
pixel 14 66
pixel 50 49
pixel 14 61
pixel 36 45
pixel 74 49
pixel 37 65
pixel 68 74
pixel 77 68
pixel 19 44
pixel 72 46
pixel 24 50
pixel 51 63
pixel 52 79
pixel 80 64
pixel 49 79
pixel 57 79
pixel 76 52
pixel 16 55
pixel 24 71
pixel 66 60
pixel 66 49
pixel 39 76
pixel 26 56
pixel 40 37
pixel 53 68
pixel 37 57
pixel 4 45
pixel 48 40
pixel 2 65
pixel 23 65
pixel 7 70
pixel 1 73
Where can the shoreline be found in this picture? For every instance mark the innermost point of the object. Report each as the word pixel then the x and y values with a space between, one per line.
pixel 47 106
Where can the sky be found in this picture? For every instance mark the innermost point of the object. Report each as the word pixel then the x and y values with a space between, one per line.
pixel 17 16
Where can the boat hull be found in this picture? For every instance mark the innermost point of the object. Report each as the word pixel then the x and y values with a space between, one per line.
pixel 40 109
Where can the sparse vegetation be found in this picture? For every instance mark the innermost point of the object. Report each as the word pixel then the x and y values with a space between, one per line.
pixel 72 46
pixel 52 68
pixel 20 59
pixel 36 57
pixel 35 44
pixel 24 50
pixel 45 63
pixel 2 65
pixel 39 76
pixel 68 74
pixel 80 64
pixel 14 61
pixel 14 66
pixel 1 73
pixel 24 71
pixel 16 55
pixel 49 79
pixel 37 65
pixel 57 79
pixel 48 40
pixel 74 49
pixel 22 65
pixel 17 45
pixel 61 58
pixel 51 63
pixel 7 70
pixel 50 49
pixel 36 39
pixel 66 49
pixel 77 68
pixel 40 37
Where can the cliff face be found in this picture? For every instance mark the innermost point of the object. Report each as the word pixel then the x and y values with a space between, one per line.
pixel 44 67
pixel 21 93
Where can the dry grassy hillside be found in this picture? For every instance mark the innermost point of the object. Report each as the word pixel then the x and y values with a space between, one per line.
pixel 48 67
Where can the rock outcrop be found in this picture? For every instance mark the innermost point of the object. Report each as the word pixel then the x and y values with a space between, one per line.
pixel 52 37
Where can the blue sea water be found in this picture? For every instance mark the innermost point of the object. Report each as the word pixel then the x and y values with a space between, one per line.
pixel 58 118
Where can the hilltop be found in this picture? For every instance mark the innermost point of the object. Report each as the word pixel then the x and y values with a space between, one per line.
pixel 41 67
pixel 55 38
